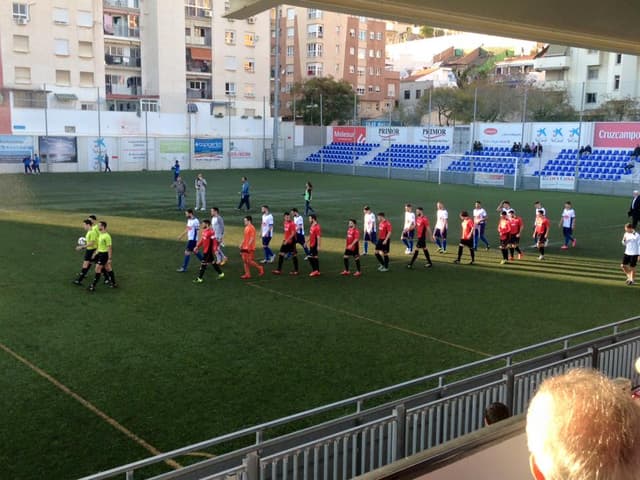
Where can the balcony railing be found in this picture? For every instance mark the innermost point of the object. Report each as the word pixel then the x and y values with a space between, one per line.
pixel 124 31
pixel 199 12
pixel 133 4
pixel 204 41
pixel 120 60
pixel 123 90
pixel 198 67
pixel 203 93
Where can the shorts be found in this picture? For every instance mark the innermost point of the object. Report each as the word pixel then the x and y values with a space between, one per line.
pixel 541 238
pixel 422 242
pixel 370 237
pixel 88 255
pixel 355 252
pixel 266 241
pixel 466 242
pixel 300 238
pixel 313 251
pixel 102 258
pixel 630 260
pixel 209 257
pixel 191 244
pixel 288 248
pixel 440 233
pixel 504 242
pixel 383 247
pixel 514 239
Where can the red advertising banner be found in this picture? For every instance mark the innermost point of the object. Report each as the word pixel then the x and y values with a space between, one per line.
pixel 616 135
pixel 349 134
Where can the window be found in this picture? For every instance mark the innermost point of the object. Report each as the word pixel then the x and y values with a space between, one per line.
pixel 63 77
pixel 362 35
pixel 618 58
pixel 379 36
pixel 250 90
pixel 187 32
pixel 147 105
pixel 314 31
pixel 291 32
pixel 88 106
pixel 352 69
pixel 391 90
pixel 352 33
pixel 352 51
pixel 362 71
pixel 418 94
pixel 362 53
pixel 291 13
pixel 229 88
pixel 20 43
pixel 338 49
pixel 338 29
pixel 314 69
pixel 360 90
pixel 230 37
pixel 290 51
pixel 230 63
pixel 592 72
pixel 61 46
pixel 370 89
pixel 314 14
pixel 592 97
pixel 337 68
pixel 250 39
pixel 377 88
pixel 250 112
pixel 407 94
pixel 86 79
pixel 28 99
pixel 85 19
pixel 372 53
pixel 20 12
pixel 23 74
pixel 372 35
pixel 314 49
pixel 85 49
pixel 61 16
pixel 250 65
pixel 378 53
pixel 616 82
pixel 289 70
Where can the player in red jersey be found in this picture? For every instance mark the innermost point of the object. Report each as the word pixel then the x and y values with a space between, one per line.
pixel 423 230
pixel 541 232
pixel 352 248
pixel 504 232
pixel 383 243
pixel 314 244
pixel 466 237
pixel 248 249
pixel 516 225
pixel 209 245
pixel 288 245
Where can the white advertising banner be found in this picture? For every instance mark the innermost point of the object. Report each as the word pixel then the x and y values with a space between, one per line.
pixel 434 135
pixel 493 179
pixel 134 150
pixel 499 134
pixel 554 182
pixel 241 152
pixel 385 135
pixel 552 135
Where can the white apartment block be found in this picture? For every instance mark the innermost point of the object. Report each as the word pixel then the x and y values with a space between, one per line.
pixel 134 55
pixel 601 76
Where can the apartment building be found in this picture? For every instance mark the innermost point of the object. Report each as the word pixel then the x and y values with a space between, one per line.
pixel 133 55
pixel 316 43
pixel 591 77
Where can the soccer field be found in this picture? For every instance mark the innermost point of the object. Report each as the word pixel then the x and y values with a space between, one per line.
pixel 91 381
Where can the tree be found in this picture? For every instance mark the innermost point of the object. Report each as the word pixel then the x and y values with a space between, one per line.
pixel 337 101
pixel 626 108
pixel 545 105
pixel 452 104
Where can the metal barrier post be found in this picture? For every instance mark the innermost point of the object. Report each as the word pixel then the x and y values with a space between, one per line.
pixel 400 413
pixel 252 464
pixel 595 364
pixel 129 475
pixel 509 378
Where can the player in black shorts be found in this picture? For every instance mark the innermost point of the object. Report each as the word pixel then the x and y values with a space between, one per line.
pixel 89 250
pixel 423 229
pixel 352 248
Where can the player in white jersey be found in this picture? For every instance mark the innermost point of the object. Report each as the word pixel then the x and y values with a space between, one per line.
pixel 503 206
pixel 409 228
pixel 191 232
pixel 370 231
pixel 217 223
pixel 631 242
pixel 440 230
pixel 538 206
pixel 299 221
pixel 267 233
pixel 568 224
pixel 480 223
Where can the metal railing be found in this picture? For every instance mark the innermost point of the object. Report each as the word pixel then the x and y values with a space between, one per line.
pixel 394 426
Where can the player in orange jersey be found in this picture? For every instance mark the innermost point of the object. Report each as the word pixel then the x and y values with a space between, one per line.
pixel 352 248
pixel 504 232
pixel 248 249
pixel 541 232
pixel 314 244
pixel 466 237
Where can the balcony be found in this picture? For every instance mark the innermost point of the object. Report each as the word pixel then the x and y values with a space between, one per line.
pixel 204 41
pixel 133 90
pixel 199 93
pixel 197 12
pixel 123 31
pixel 551 63
pixel 130 4
pixel 198 66
pixel 122 61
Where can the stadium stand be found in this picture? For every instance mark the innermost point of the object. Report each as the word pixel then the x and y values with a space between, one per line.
pixel 604 165
pixel 407 156
pixel 342 153
pixel 490 160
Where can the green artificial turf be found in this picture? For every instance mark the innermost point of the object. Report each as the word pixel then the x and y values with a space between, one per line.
pixel 176 363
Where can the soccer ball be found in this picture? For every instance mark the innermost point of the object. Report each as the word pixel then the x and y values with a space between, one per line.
pixel 82 242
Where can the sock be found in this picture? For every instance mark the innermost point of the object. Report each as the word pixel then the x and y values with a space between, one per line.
pixel 112 277
pixel 379 257
pixel 185 263
pixel 95 280
pixel 245 265
pixel 473 254
pixel 541 250
pixel 82 274
pixel 512 251
pixel 459 252
pixel 295 263
pixel 317 262
pixel 280 260
pixel 504 254
pixel 386 261
pixel 217 268
pixel 426 255
pixel 413 259
pixel 203 267
pixel 444 244
pixel 518 250
pixel 346 264
pixel 357 264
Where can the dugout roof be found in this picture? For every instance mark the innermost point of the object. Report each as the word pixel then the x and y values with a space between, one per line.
pixel 604 25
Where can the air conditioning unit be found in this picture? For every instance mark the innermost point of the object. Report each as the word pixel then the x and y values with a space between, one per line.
pixel 21 20
pixel 251 20
pixel 208 13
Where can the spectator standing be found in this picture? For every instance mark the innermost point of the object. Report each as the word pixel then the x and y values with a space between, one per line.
pixel 631 243
pixel 308 209
pixel 634 208
pixel 539 149
pixel 244 195
pixel 35 166
pixel 568 224
pixel 181 191
pixel 106 163
pixel 176 170
pixel 581 425
pixel 200 185
pixel 27 165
